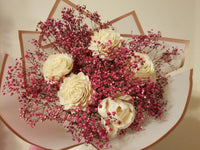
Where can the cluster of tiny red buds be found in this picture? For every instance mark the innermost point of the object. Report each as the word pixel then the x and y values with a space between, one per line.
pixel 85 126
pixel 95 17
pixel 151 43
pixel 111 75
pixel 14 79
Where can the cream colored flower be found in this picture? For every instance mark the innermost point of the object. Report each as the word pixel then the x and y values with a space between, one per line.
pixel 120 112
pixel 57 65
pixel 111 129
pixel 103 40
pixel 75 91
pixel 146 70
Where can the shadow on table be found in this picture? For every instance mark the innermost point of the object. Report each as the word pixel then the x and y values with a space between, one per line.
pixel 187 134
pixel 2 136
pixel 9 141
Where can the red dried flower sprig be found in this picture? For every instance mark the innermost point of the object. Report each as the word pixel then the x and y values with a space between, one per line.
pixel 151 45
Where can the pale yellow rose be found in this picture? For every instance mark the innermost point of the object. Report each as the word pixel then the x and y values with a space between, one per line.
pixel 146 70
pixel 120 112
pixel 103 40
pixel 75 91
pixel 111 129
pixel 56 66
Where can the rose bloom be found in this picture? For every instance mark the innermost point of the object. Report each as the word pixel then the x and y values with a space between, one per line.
pixel 103 40
pixel 75 91
pixel 121 112
pixel 146 70
pixel 56 66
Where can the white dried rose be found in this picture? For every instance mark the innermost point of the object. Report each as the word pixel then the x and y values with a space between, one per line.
pixel 75 91
pixel 111 129
pixel 146 70
pixel 120 112
pixel 56 66
pixel 103 40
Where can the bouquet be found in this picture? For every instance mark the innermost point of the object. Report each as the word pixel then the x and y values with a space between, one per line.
pixel 97 83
